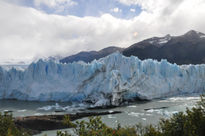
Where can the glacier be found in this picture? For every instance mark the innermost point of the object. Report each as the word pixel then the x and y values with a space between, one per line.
pixel 109 81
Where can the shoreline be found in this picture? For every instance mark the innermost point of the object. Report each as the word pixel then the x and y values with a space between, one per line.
pixel 36 124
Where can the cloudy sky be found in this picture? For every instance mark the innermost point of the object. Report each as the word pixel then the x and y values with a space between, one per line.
pixel 31 29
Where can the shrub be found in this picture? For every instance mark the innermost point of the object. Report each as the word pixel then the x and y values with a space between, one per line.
pixel 95 127
pixel 7 126
pixel 190 123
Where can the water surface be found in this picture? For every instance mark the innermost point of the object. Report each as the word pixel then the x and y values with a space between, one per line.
pixel 143 112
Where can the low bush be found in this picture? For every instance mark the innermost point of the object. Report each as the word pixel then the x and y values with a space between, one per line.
pixel 7 126
pixel 190 123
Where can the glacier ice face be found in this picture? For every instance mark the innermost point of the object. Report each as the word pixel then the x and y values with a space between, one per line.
pixel 110 80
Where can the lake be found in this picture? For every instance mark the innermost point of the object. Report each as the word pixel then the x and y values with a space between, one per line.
pixel 142 112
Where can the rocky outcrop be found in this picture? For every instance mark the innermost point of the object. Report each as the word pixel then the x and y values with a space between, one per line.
pixel 36 124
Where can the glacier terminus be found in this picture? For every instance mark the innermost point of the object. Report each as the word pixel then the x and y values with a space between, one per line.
pixel 109 81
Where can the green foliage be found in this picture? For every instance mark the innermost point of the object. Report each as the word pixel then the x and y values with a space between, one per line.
pixel 190 123
pixel 95 127
pixel 67 122
pixel 152 131
pixel 7 126
pixel 65 133
pixel 201 104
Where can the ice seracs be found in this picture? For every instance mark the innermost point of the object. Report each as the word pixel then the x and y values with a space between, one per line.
pixel 108 81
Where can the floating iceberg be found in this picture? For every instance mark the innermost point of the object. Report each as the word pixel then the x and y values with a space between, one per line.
pixel 108 81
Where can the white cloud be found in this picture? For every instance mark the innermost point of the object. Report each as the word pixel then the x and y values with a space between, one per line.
pixel 27 33
pixel 54 3
pixel 129 2
pixel 116 10
pixel 59 5
pixel 132 10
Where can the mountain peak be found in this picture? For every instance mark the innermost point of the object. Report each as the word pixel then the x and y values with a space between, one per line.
pixel 184 49
pixel 91 55
pixel 193 33
pixel 168 36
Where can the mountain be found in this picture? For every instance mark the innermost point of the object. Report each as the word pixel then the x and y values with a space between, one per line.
pixel 90 56
pixel 185 49
pixel 111 80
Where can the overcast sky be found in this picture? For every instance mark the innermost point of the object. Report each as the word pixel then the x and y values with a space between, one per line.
pixel 39 28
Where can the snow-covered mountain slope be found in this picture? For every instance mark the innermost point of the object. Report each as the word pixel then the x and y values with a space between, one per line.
pixel 110 80
pixel 184 49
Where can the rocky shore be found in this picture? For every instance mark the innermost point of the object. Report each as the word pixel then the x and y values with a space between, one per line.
pixel 37 124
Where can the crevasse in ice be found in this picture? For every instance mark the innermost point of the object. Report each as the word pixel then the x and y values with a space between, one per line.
pixel 108 81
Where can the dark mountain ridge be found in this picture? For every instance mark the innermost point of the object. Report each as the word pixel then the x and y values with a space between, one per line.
pixel 185 49
pixel 91 55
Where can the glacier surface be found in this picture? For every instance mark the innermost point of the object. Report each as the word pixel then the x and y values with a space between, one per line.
pixel 108 81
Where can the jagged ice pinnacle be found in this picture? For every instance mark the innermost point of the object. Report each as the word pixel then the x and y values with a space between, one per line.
pixel 108 81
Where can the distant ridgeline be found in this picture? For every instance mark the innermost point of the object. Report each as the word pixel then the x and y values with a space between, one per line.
pixel 185 49
pixel 111 80
pixel 90 56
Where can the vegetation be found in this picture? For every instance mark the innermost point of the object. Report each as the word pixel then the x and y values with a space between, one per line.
pixel 7 126
pixel 190 123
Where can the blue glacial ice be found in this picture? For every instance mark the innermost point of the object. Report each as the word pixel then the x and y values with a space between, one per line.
pixel 108 81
